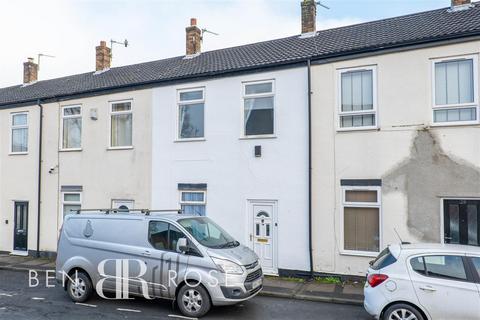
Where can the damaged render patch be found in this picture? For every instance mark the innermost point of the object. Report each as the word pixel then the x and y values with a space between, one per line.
pixel 428 174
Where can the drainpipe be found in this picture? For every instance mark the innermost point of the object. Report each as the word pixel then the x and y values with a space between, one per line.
pixel 39 176
pixel 310 231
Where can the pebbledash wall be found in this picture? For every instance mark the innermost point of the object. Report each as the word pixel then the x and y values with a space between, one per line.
pixel 413 163
pixel 98 173
pixel 224 161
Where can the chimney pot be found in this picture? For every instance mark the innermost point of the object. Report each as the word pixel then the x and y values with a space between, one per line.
pixel 103 56
pixel 456 3
pixel 193 38
pixel 309 16
pixel 30 71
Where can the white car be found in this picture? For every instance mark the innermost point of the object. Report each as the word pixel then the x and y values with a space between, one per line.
pixel 424 281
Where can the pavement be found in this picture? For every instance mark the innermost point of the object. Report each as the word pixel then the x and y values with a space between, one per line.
pixel 19 300
pixel 315 290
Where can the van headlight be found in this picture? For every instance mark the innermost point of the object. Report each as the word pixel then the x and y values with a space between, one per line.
pixel 227 266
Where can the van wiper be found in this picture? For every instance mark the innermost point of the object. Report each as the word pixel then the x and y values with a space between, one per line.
pixel 230 244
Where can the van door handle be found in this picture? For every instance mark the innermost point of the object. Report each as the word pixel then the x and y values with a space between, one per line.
pixel 147 253
pixel 428 288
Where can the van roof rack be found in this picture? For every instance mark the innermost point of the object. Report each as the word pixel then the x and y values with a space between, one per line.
pixel 141 211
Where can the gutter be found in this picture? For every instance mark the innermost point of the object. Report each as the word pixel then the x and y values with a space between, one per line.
pixel 310 227
pixel 39 195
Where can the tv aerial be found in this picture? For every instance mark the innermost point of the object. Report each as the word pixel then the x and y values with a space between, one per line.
pixel 208 31
pixel 39 56
pixel 319 3
pixel 112 42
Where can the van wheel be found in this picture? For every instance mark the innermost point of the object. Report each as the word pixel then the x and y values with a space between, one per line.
pixel 193 301
pixel 402 312
pixel 81 288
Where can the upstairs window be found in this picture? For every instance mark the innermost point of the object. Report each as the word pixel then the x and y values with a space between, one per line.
pixel 121 124
pixel 455 93
pixel 191 109
pixel 19 133
pixel 71 127
pixel 357 98
pixel 258 108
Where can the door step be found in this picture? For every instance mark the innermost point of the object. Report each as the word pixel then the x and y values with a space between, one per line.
pixel 19 253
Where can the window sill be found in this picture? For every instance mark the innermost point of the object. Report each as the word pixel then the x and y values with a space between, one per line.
pixel 119 148
pixel 70 150
pixel 454 124
pixel 358 129
pixel 266 136
pixel 365 254
pixel 189 140
pixel 17 153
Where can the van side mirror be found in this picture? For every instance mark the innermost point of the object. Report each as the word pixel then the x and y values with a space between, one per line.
pixel 182 245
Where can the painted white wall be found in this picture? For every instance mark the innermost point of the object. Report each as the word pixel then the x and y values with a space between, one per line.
pixel 226 162
pixel 404 107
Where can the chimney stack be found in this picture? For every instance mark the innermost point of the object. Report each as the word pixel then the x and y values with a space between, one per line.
pixel 30 71
pixel 456 3
pixel 309 16
pixel 103 56
pixel 194 38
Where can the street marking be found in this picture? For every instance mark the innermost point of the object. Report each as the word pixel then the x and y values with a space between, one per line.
pixel 86 304
pixel 6 295
pixel 129 310
pixel 3 308
pixel 37 298
pixel 181 317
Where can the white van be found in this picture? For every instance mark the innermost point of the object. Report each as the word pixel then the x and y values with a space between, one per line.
pixel 189 259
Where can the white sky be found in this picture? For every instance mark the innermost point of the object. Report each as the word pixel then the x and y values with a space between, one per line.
pixel 70 29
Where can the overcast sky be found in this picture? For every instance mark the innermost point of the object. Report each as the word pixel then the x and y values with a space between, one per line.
pixel 70 29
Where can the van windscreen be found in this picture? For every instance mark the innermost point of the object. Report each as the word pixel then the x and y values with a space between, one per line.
pixel 208 233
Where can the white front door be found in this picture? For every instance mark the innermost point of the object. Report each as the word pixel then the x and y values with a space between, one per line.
pixel 263 234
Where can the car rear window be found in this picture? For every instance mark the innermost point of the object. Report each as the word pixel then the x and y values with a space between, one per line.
pixel 445 267
pixel 384 259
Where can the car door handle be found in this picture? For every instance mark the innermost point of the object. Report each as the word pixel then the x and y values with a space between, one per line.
pixel 147 253
pixel 428 288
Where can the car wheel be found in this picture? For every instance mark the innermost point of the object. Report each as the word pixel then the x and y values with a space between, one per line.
pixel 402 312
pixel 80 287
pixel 193 301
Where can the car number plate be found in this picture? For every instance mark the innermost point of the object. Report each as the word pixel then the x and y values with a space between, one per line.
pixel 257 283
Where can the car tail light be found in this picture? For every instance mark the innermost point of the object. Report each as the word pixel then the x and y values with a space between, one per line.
pixel 376 279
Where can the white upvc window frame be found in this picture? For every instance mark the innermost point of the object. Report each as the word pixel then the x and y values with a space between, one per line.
pixel 473 104
pixel 377 204
pixel 373 111
pixel 112 113
pixel 13 127
pixel 258 95
pixel 204 202
pixel 188 102
pixel 63 117
pixel 70 202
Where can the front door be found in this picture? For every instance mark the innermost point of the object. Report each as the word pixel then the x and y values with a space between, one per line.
pixel 263 235
pixel 462 222
pixel 20 235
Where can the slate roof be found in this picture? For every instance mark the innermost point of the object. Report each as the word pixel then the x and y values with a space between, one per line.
pixel 418 28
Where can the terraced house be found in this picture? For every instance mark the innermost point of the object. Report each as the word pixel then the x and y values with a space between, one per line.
pixel 311 149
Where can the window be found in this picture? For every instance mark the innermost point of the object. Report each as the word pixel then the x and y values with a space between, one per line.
pixel 357 97
pixel 71 127
pixel 121 124
pixel 19 133
pixel 384 259
pixel 193 202
pixel 361 219
pixel 455 93
pixel 191 105
pixel 71 202
pixel 163 235
pixel 258 108
pixel 476 264
pixel 445 267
